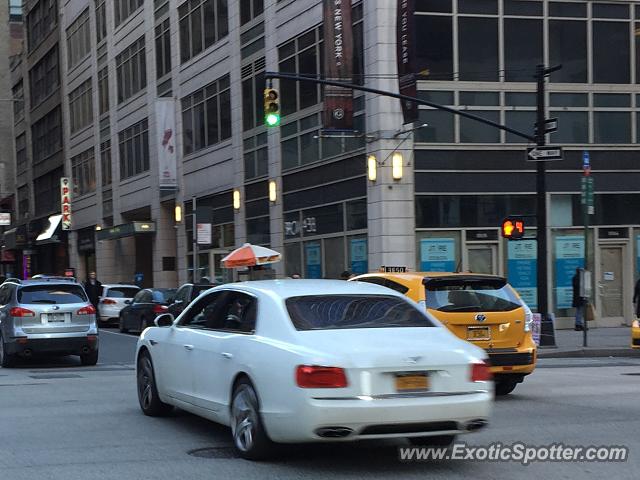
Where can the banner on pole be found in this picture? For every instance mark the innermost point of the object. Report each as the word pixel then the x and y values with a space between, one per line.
pixel 166 143
pixel 338 64
pixel 405 40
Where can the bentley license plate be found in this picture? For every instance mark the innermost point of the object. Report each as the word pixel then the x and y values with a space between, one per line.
pixel 412 382
pixel 478 333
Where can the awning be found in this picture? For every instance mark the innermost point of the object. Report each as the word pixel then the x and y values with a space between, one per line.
pixel 52 232
pixel 16 237
pixel 126 230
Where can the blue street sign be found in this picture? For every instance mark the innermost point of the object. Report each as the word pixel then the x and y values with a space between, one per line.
pixel 586 161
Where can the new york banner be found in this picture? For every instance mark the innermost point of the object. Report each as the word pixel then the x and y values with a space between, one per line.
pixel 405 37
pixel 338 64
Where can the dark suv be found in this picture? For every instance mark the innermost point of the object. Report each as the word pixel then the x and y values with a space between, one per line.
pixel 47 315
pixel 185 295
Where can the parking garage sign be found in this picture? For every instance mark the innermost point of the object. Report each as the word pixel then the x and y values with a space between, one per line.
pixel 65 202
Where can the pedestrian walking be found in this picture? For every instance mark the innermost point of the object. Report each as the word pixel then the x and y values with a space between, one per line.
pixel 578 302
pixel 93 288
pixel 636 298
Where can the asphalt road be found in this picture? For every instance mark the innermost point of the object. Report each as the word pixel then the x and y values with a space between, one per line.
pixel 62 421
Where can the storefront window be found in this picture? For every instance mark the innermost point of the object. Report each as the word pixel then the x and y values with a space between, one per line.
pixel 438 251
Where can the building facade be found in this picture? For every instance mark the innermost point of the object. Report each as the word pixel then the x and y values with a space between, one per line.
pixel 122 62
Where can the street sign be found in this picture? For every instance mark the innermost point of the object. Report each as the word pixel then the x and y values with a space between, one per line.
pixel 587 194
pixel 550 126
pixel 586 163
pixel 544 154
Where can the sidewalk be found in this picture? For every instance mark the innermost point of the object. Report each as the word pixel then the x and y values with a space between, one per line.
pixel 602 342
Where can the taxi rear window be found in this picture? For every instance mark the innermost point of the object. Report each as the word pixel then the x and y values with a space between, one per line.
pixel 474 295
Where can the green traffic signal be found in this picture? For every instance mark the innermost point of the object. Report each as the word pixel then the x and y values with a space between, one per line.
pixel 272 120
pixel 271 107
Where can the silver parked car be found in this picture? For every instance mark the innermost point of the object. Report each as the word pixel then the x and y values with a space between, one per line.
pixel 113 300
pixel 46 315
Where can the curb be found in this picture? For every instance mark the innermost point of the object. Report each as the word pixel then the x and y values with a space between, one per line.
pixel 550 352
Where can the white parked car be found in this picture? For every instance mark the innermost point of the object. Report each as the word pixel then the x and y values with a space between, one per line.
pixel 112 300
pixel 292 361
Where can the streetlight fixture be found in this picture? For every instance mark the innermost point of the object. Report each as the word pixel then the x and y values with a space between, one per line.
pixel 273 191
pixel 236 200
pixel 372 168
pixel 177 213
pixel 396 166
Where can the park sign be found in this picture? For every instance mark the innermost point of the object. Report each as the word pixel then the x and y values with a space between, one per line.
pixel 65 202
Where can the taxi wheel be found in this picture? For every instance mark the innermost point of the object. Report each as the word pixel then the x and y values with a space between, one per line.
pixel 249 437
pixel 505 387
pixel 437 441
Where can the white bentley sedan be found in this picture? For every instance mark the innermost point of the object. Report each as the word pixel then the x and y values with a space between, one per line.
pixel 313 360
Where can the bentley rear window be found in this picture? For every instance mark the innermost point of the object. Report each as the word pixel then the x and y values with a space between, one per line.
pixel 327 312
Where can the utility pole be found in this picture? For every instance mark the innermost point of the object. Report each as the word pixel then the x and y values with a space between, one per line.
pixel 547 334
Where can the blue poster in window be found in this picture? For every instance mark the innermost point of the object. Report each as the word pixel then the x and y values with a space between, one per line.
pixel 359 261
pixel 569 256
pixel 313 260
pixel 523 271
pixel 438 254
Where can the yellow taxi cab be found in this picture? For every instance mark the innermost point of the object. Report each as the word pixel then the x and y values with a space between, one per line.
pixel 482 309
pixel 635 334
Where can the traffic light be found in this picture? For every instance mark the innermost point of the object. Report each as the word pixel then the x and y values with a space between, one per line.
pixel 271 107
pixel 512 228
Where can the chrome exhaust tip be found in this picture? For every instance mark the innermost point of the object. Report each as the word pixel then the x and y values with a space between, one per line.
pixel 27 353
pixel 334 432
pixel 477 424
pixel 85 350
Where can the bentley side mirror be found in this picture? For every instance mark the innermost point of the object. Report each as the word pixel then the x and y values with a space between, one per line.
pixel 164 320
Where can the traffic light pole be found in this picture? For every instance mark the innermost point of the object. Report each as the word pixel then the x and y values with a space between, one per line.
pixel 547 334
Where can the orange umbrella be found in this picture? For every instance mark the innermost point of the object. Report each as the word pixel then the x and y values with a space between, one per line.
pixel 250 255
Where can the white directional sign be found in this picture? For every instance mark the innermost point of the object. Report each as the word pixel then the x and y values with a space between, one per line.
pixel 543 154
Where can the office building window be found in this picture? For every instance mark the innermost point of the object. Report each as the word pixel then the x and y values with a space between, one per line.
pixel 611 52
pixel 134 149
pixel 125 8
pixel 83 171
pixel 252 94
pixel 202 23
pixel 478 60
pixel 18 101
pixel 256 158
pixel 103 90
pixel 41 21
pixel 15 10
pixel 21 154
pixel 105 162
pixel 301 55
pixel 81 107
pixel 78 39
pixel 44 77
pixel 46 192
pixel 131 70
pixel 23 201
pixel 250 9
pixel 101 20
pixel 163 49
pixel 206 116
pixel 46 136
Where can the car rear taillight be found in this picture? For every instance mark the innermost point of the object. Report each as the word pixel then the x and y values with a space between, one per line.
pixel 159 309
pixel 21 312
pixel 108 301
pixel 313 376
pixel 88 310
pixel 480 372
